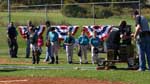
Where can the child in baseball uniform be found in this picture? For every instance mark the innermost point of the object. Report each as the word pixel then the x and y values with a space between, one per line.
pixel 33 40
pixel 69 42
pixel 95 44
pixel 83 45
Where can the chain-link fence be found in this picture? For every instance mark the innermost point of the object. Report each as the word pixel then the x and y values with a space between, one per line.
pixel 102 13
pixel 73 14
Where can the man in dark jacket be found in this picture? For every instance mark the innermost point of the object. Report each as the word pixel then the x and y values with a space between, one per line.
pixel 113 42
pixel 48 47
pixel 12 40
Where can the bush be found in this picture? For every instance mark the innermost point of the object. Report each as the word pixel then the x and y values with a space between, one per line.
pixel 73 11
pixel 3 5
pixel 116 10
pixel 103 12
pixel 86 11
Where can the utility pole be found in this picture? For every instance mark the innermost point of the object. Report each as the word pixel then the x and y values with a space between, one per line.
pixel 61 4
pixel 46 12
pixel 93 14
pixel 9 12
pixel 140 7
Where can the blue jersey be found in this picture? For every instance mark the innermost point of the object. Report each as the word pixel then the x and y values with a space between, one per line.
pixel 83 40
pixel 142 21
pixel 95 42
pixel 53 36
pixel 69 40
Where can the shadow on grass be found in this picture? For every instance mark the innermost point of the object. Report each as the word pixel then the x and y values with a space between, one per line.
pixel 8 70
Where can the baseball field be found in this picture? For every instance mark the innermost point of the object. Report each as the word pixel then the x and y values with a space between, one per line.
pixel 21 71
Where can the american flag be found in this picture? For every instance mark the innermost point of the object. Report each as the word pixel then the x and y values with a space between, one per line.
pixel 40 29
pixel 102 30
pixel 23 30
pixel 62 30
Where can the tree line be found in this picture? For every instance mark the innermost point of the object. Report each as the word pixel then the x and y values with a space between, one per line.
pixel 37 2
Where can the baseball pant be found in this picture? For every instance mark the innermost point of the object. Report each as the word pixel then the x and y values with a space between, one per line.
pixel 69 52
pixel 83 52
pixel 94 56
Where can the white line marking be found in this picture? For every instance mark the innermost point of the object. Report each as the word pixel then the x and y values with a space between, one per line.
pixel 10 81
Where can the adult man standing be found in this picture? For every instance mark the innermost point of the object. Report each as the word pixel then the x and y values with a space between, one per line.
pixel 125 33
pixel 126 44
pixel 12 40
pixel 29 25
pixel 48 47
pixel 142 36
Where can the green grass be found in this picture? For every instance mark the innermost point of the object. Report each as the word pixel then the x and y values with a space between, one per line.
pixel 22 17
pixel 124 76
pixel 38 17
pixel 58 18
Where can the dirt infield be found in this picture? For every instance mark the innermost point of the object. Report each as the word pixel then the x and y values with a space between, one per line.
pixel 44 80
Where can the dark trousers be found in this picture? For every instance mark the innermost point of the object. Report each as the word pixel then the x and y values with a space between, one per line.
pixel 115 47
pixel 28 48
pixel 35 57
pixel 13 47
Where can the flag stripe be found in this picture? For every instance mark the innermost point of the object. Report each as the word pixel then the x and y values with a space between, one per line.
pixel 102 30
pixel 23 30
pixel 62 30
